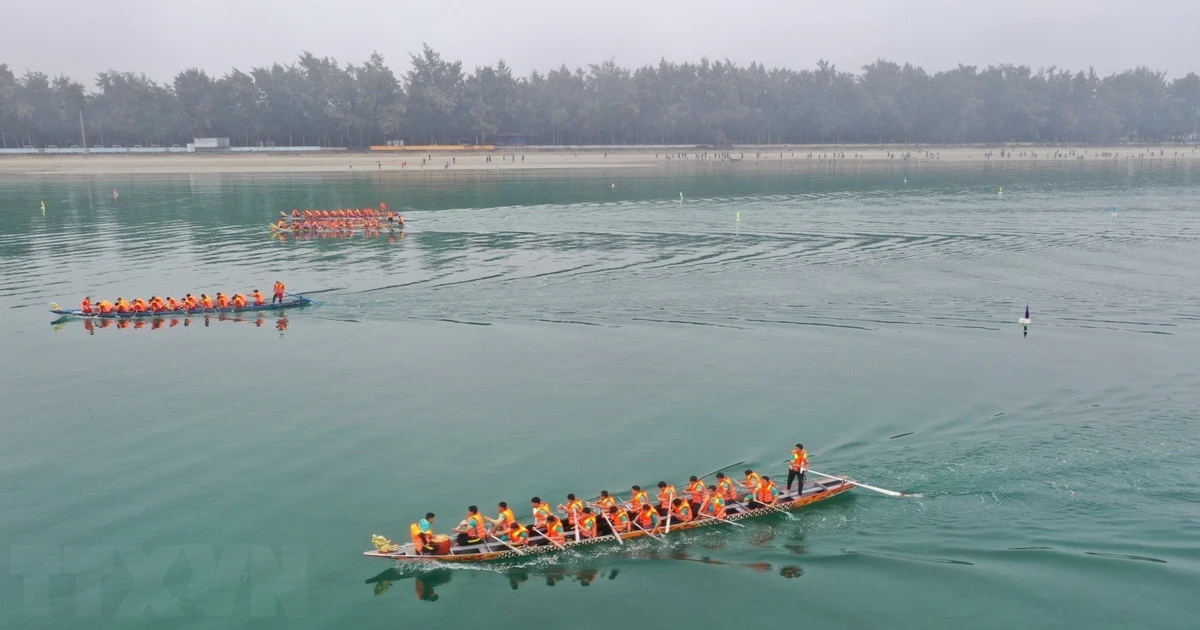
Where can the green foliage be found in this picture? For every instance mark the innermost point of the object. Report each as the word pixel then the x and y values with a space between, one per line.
pixel 317 101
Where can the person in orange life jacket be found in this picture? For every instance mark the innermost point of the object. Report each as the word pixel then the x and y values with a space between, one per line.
pixel 541 512
pixel 751 482
pixel 606 500
pixel 86 306
pixel 681 511
pixel 666 494
pixel 517 535
pixel 647 518
pixel 572 508
pixel 279 289
pixel 422 534
pixel 695 491
pixel 554 529
pixel 587 523
pixel 726 488
pixel 474 530
pixel 238 301
pixel 714 504
pixel 500 524
pixel 766 494
pixel 797 467
pixel 639 498
pixel 616 521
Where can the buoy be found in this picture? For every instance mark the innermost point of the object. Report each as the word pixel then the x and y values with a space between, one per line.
pixel 1025 320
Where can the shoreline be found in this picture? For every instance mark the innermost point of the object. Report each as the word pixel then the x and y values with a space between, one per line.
pixel 591 158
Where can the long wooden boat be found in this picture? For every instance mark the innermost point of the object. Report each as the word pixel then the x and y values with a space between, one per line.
pixel 813 492
pixel 293 301
pixel 386 227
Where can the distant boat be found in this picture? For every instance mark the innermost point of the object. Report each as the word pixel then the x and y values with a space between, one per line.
pixel 1025 320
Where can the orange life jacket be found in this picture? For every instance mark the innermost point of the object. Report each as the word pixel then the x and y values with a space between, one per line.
pixel 639 499
pixel 620 520
pixel 607 502
pixel 799 459
pixel 647 519
pixel 478 530
pixel 506 517
pixel 222 301
pixel 239 301
pixel 518 536
pixel 539 514
pixel 206 302
pixel 683 513
pixel 764 492
pixel 138 306
pixel 104 307
pixel 573 508
pixel 173 305
pixel 86 306
pixel 714 505
pixel 258 298
pixel 695 491
pixel 726 489
pixel 587 526
pixel 418 537
pixel 555 532
pixel 666 496
pixel 752 480
pixel 279 288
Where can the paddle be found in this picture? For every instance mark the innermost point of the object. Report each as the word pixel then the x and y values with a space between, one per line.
pixel 505 543
pixel 648 532
pixel 668 520
pixel 723 520
pixel 890 493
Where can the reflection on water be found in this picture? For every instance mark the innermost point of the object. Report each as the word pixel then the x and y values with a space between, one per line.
pixel 426 581
pixel 90 326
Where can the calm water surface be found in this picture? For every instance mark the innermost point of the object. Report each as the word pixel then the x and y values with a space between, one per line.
pixel 551 333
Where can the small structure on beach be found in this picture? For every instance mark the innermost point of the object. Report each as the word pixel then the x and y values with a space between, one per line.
pixel 209 145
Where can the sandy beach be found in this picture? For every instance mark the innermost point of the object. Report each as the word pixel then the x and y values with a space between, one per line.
pixel 587 158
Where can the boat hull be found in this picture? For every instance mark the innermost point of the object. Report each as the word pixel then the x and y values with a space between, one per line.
pixel 814 492
pixel 293 302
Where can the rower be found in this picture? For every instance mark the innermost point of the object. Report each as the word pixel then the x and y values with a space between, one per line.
pixel 157 305
pixel 239 300
pixel 554 529
pixel 695 492
pixel 572 508
pixel 105 307
pixel 474 530
pixel 726 488
pixel 647 518
pixel 797 468
pixel 586 523
pixel 714 504
pixel 639 498
pixel 222 300
pixel 766 494
pixel 190 302
pixel 606 500
pixel 122 305
pixel 517 535
pixel 86 306
pixel 138 305
pixel 258 298
pixel 666 494
pixel 541 513
pixel 501 523
pixel 751 482
pixel 279 289
pixel 205 301
pixel 618 520
pixel 281 224
pixel 173 305
pixel 422 535
pixel 681 511
pixel 295 212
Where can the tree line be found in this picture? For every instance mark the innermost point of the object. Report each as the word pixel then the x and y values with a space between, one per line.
pixel 317 101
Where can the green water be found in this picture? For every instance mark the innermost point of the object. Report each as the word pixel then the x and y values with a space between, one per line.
pixel 551 333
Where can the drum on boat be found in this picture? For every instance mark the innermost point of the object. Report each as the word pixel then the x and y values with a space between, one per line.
pixel 441 544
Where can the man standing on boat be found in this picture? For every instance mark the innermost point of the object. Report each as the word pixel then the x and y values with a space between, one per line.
pixel 797 467
pixel 422 534
pixel 279 289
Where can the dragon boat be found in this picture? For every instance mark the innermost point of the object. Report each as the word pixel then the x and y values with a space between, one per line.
pixel 292 301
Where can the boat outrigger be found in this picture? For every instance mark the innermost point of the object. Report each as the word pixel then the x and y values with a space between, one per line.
pixel 813 492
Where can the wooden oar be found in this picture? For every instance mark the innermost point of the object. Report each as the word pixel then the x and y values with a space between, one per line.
pixel 668 520
pixel 648 532
pixel 723 520
pixel 505 543
pixel 890 493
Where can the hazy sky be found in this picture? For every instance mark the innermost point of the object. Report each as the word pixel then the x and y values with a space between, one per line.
pixel 82 37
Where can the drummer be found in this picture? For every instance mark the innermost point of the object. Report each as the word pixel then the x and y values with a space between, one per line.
pixel 422 535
